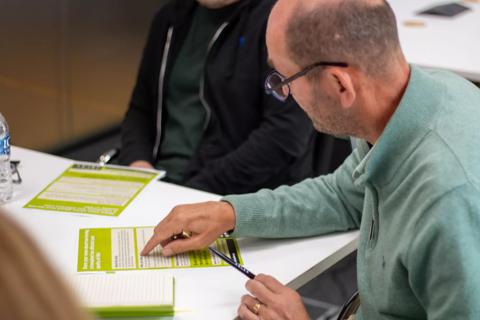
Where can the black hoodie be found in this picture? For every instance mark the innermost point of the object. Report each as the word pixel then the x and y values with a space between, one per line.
pixel 250 140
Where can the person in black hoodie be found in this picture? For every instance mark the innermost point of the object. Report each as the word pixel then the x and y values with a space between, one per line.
pixel 199 108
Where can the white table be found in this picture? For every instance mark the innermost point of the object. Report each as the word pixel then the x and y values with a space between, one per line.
pixel 201 293
pixel 442 43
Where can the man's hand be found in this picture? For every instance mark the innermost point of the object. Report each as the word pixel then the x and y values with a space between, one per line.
pixel 141 164
pixel 205 221
pixel 271 300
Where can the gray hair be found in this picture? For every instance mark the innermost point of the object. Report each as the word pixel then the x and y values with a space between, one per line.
pixel 360 32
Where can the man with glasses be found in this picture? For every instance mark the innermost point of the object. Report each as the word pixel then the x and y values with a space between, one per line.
pixel 199 111
pixel 412 185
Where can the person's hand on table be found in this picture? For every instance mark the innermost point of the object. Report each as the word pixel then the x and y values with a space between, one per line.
pixel 271 300
pixel 205 221
pixel 141 164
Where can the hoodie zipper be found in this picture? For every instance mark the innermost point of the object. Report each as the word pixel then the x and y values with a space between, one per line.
pixel 204 102
pixel 161 84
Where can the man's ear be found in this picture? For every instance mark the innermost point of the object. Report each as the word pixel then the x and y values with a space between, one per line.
pixel 342 84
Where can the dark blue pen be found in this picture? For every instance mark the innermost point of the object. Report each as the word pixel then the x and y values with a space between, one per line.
pixel 233 263
pixel 239 267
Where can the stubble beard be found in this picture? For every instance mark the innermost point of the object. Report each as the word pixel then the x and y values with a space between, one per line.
pixel 329 117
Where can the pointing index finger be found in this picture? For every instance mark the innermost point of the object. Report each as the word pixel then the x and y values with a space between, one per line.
pixel 151 244
pixel 159 236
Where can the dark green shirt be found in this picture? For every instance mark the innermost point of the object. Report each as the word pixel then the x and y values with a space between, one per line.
pixel 184 112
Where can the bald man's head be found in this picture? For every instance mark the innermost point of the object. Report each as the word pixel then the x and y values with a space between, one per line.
pixel 349 101
pixel 362 33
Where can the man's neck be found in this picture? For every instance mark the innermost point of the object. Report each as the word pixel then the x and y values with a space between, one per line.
pixel 385 101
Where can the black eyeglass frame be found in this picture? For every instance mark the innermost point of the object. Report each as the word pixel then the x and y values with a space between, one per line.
pixel 269 89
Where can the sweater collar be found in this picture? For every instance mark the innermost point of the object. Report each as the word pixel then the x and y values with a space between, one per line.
pixel 409 124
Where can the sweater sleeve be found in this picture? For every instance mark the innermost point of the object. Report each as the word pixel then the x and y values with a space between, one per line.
pixel 315 206
pixel 444 257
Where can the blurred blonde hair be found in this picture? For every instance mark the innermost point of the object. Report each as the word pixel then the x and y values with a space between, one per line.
pixel 29 287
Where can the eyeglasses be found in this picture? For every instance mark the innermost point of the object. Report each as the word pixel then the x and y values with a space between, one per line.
pixel 279 86
pixel 16 178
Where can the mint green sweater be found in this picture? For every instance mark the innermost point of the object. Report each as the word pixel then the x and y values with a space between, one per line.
pixel 415 198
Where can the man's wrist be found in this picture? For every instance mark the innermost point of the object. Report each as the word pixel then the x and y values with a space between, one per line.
pixel 230 216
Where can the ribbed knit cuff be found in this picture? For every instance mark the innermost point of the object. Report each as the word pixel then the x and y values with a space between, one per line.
pixel 250 215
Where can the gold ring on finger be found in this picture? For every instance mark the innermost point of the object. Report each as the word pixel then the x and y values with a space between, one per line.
pixel 186 234
pixel 256 308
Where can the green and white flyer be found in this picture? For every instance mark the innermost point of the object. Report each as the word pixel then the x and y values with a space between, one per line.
pixel 116 249
pixel 92 189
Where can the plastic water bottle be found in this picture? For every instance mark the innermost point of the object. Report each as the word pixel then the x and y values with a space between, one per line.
pixel 6 189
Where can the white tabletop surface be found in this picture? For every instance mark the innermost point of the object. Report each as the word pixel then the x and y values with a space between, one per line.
pixel 444 43
pixel 210 293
